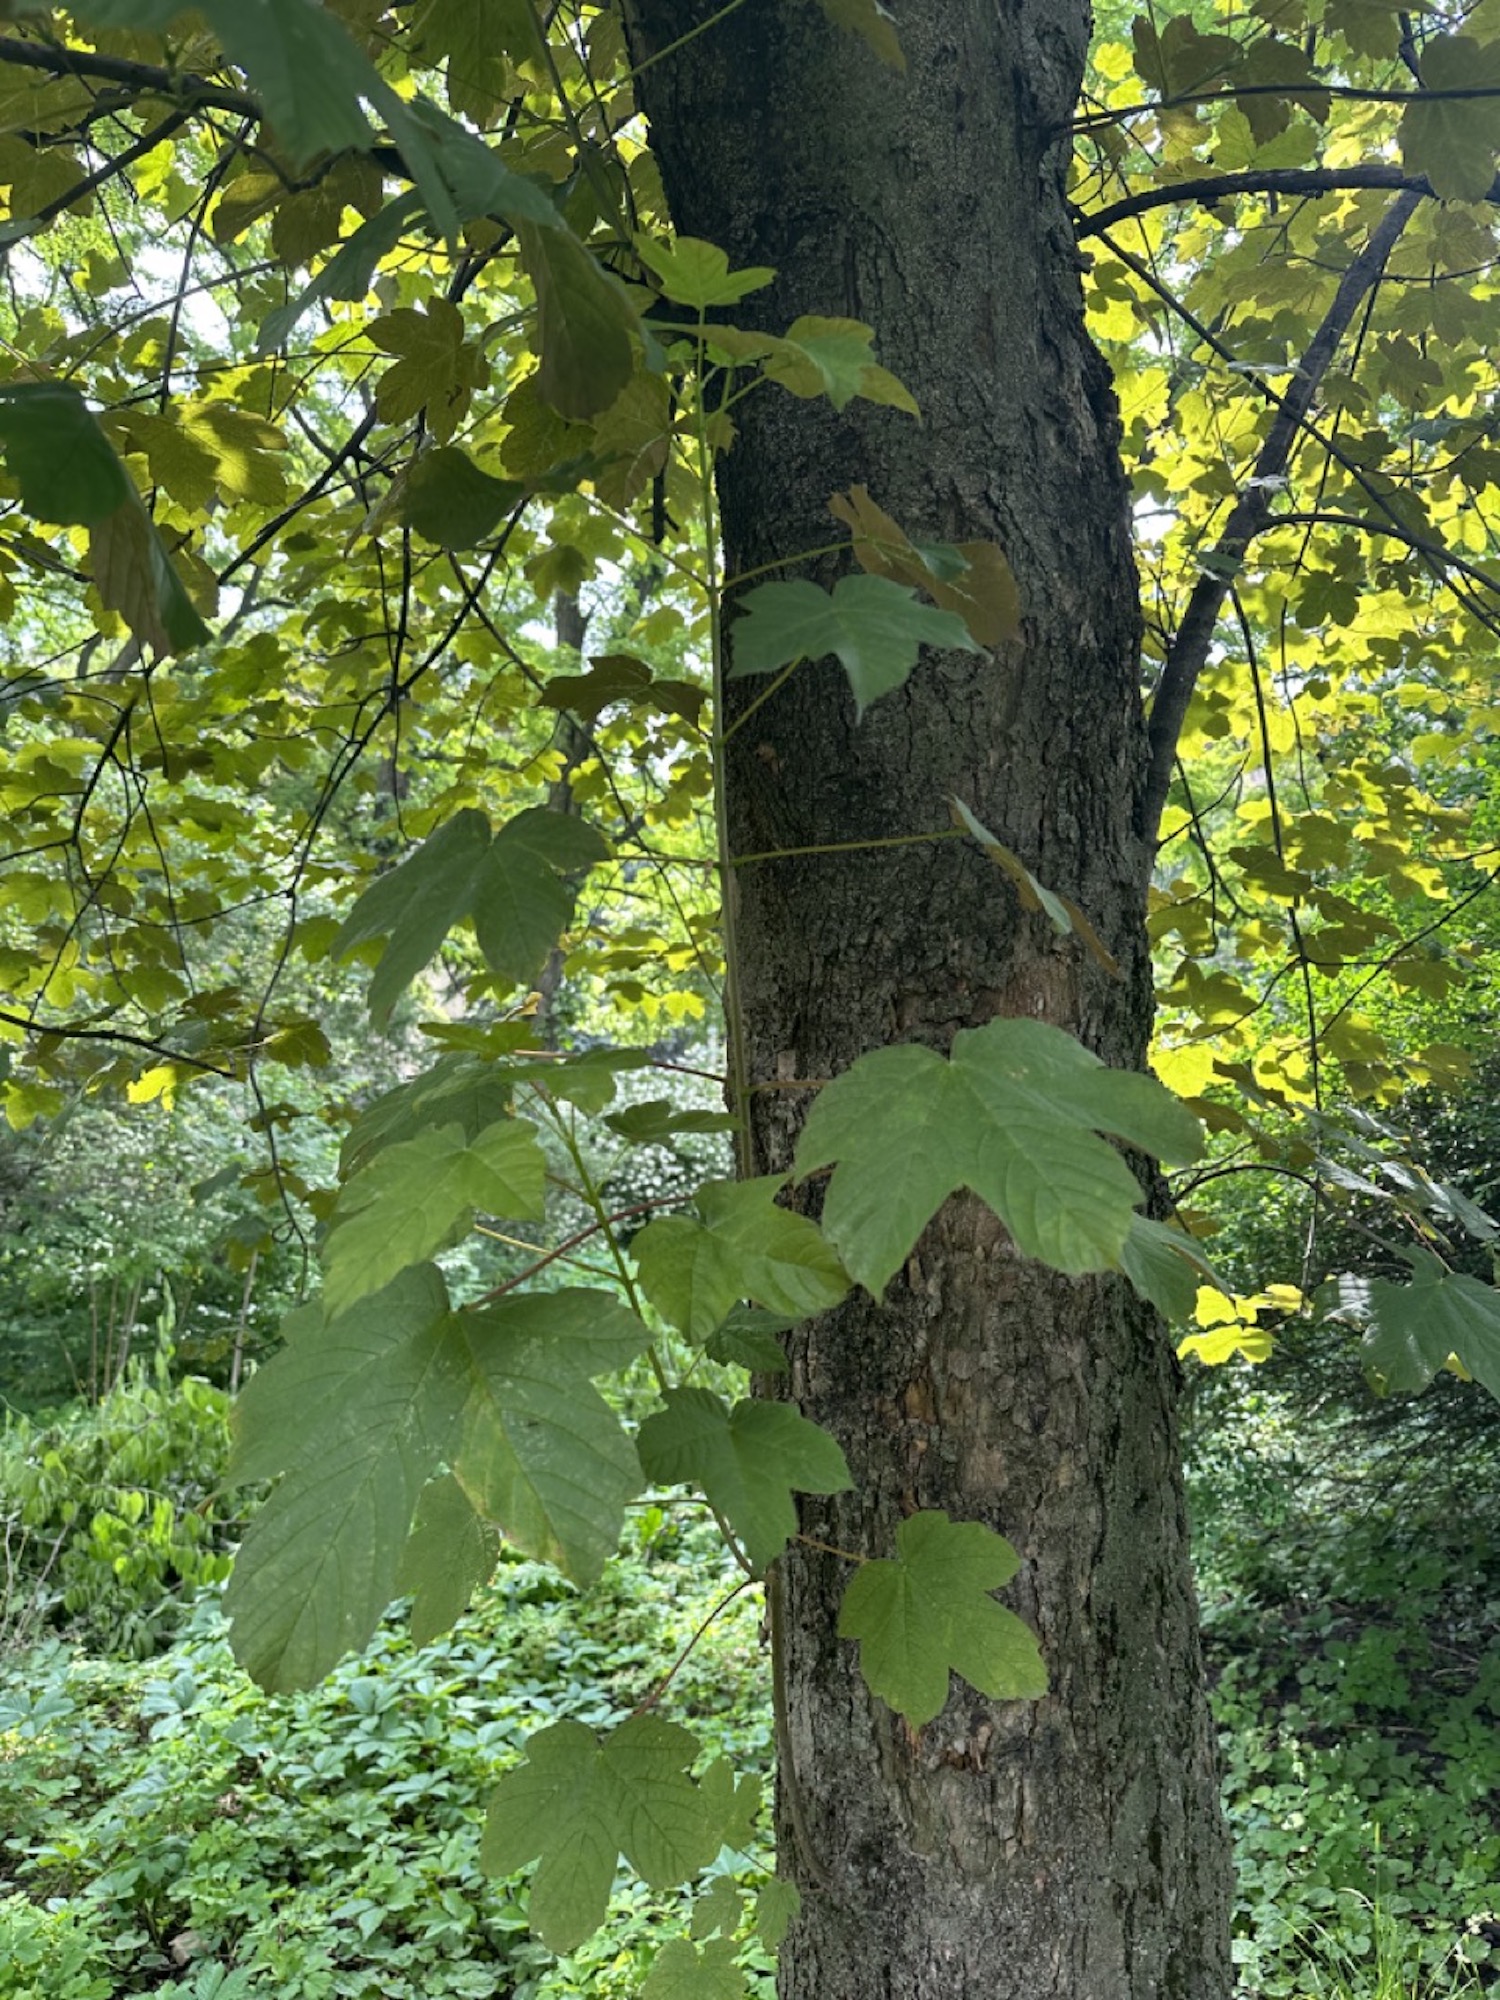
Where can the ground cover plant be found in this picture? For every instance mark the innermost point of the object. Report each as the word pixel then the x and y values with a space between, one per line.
pixel 172 1828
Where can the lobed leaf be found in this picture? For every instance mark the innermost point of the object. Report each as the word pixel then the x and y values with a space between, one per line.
pixel 874 627
pixel 748 1460
pixel 929 1612
pixel 1013 1116
pixel 746 1246
pixel 577 1804
pixel 421 1196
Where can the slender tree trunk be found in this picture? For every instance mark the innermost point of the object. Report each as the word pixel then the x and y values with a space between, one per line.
pixel 1070 1847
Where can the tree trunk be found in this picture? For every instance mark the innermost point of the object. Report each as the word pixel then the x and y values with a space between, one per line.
pixel 1073 1846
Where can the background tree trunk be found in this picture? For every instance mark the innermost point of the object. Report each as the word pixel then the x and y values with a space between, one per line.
pixel 1071 1847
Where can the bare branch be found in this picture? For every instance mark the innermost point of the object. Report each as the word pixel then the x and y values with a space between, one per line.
pixel 145 79
pixel 1210 188
pixel 1222 564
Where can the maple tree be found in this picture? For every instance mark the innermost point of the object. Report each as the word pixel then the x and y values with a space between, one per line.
pixel 352 354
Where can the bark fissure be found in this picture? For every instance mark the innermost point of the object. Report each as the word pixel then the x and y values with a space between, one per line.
pixel 1069 1847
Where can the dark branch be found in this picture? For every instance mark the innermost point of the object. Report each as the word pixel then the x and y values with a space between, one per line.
pixel 1294 93
pixel 1211 188
pixel 193 92
pixel 70 1034
pixel 1189 650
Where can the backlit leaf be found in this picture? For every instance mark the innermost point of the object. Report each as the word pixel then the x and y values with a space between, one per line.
pixel 695 273
pixel 833 358
pixel 437 372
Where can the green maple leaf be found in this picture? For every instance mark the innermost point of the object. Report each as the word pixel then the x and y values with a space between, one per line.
pixel 69 474
pixel 508 883
pixel 748 1339
pixel 348 274
pixel 776 1906
pixel 577 1804
pixel 833 358
pixel 1414 1328
pixel 420 1196
pixel 657 1119
pixel 695 273
pixel 357 1410
pixel 1454 140
pixel 55 450
pixel 1011 1116
pixel 134 576
pixel 437 371
pixel 718 1909
pixel 684 1971
pixel 459 1089
pixel 745 1247
pixel 875 627
pixel 584 323
pixel 450 1551
pixel 360 1410
pixel 1166 1266
pixel 304 66
pixel 748 1460
pixel 930 1613
pixel 450 500
pixel 541 1453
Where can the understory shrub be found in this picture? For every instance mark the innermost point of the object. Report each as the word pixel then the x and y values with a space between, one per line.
pixel 112 1515
pixel 325 1846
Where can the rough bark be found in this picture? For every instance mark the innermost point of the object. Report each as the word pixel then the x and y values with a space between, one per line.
pixel 1070 1847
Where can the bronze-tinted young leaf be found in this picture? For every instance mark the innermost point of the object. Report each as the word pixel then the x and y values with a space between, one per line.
pixel 979 585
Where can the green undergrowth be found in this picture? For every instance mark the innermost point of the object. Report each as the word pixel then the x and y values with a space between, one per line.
pixel 166 1827
pixel 168 1824
pixel 1350 1604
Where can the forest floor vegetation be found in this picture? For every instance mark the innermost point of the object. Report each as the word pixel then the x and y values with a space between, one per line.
pixel 168 1827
